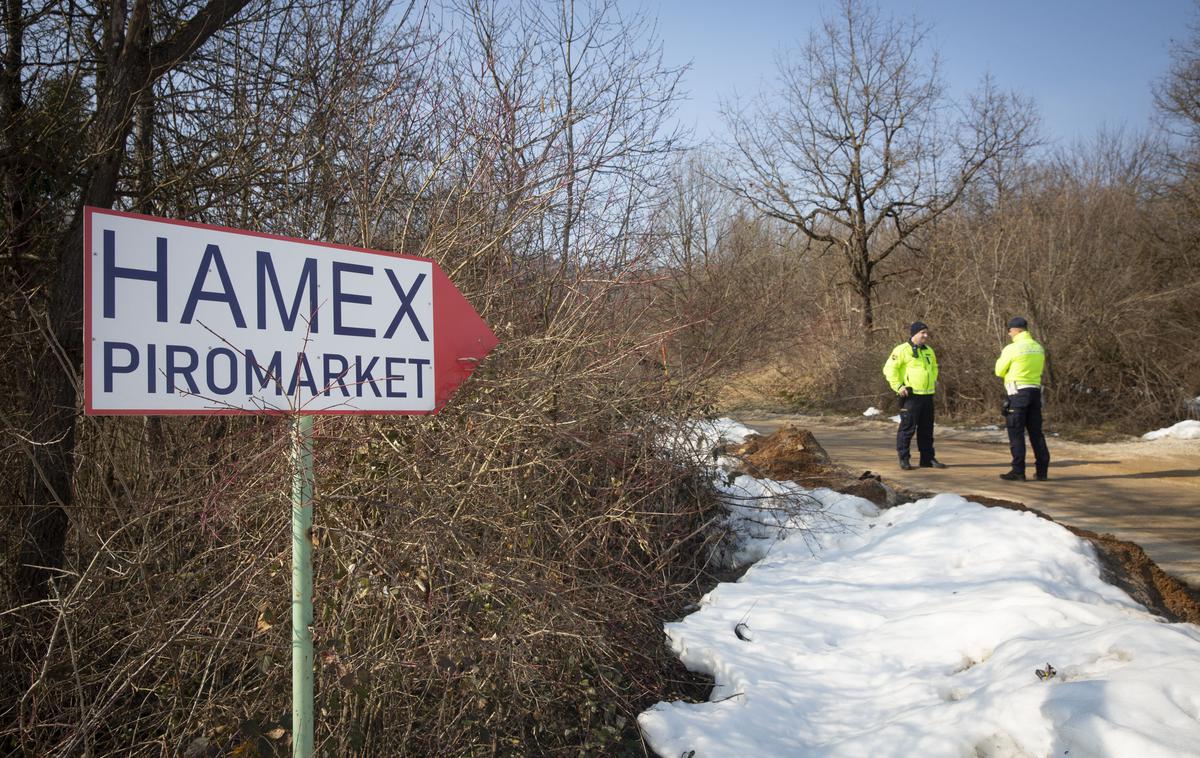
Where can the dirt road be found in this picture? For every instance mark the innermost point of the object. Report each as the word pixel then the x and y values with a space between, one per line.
pixel 1145 492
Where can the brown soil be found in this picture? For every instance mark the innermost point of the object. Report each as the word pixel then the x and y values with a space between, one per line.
pixel 793 454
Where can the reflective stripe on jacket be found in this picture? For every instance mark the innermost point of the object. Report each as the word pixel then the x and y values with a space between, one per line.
pixel 903 369
pixel 1021 361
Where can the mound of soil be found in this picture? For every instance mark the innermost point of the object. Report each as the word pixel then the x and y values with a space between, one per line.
pixel 793 454
pixel 789 452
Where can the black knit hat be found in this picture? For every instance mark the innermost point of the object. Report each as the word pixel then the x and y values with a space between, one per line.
pixel 916 327
pixel 1016 322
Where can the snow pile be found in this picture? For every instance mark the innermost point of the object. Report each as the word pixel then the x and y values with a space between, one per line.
pixel 872 411
pixel 722 430
pixel 1184 430
pixel 699 439
pixel 766 515
pixel 921 631
pixel 762 512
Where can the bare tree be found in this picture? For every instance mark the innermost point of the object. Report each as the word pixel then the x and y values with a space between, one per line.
pixel 1177 95
pixel 1177 98
pixel 858 150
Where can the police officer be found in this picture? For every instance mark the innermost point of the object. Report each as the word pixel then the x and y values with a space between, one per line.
pixel 912 371
pixel 1020 366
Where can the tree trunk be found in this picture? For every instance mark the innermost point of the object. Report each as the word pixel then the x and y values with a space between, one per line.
pixel 12 108
pixel 864 280
pixel 868 308
pixel 130 68
pixel 48 483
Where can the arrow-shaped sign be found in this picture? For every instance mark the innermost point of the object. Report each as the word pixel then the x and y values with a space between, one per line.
pixel 186 318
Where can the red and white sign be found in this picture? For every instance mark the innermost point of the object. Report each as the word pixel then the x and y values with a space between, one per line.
pixel 185 318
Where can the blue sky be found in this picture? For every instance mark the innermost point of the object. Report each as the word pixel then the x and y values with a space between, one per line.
pixel 1086 63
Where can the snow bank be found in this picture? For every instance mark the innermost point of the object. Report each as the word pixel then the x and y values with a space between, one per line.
pixel 922 636
pixel 921 631
pixel 872 411
pixel 1184 430
pixel 766 515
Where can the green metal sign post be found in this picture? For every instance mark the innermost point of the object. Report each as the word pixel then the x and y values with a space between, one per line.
pixel 302 587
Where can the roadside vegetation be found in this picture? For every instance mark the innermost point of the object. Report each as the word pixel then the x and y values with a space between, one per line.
pixel 492 580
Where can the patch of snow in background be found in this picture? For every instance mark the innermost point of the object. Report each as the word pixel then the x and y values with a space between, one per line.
pixel 729 430
pixel 700 439
pixel 872 411
pixel 895 418
pixel 1184 430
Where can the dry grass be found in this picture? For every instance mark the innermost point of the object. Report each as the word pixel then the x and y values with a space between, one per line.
pixel 491 580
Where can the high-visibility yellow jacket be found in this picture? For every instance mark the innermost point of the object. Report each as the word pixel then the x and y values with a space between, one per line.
pixel 913 367
pixel 1021 362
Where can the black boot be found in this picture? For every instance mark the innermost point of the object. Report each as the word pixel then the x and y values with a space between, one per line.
pixel 1013 476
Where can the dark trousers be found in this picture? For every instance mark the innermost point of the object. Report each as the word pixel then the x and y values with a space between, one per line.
pixel 916 417
pixel 1025 415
